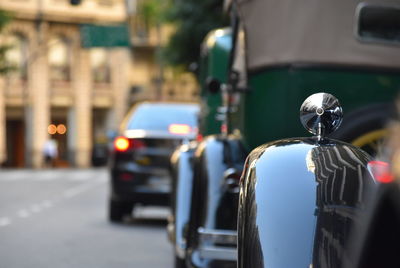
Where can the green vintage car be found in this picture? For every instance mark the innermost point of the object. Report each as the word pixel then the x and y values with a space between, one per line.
pixel 183 225
pixel 281 52
pixel 288 50
pixel 213 70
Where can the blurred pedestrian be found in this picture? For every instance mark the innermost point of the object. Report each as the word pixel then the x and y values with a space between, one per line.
pixel 50 152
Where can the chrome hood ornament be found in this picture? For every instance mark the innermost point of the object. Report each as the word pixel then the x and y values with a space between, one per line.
pixel 321 114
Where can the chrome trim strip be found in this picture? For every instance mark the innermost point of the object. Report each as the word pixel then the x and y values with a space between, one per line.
pixel 217 236
pixel 210 237
pixel 218 253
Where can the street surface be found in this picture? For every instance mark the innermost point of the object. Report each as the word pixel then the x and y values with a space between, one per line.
pixel 58 218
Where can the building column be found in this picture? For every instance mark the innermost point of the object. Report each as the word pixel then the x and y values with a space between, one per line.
pixel 82 121
pixel 37 116
pixel 120 66
pixel 3 146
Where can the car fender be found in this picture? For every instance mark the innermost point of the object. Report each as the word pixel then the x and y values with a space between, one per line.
pixel 299 200
pixel 182 176
pixel 214 205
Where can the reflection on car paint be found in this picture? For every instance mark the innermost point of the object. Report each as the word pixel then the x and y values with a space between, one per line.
pixel 299 201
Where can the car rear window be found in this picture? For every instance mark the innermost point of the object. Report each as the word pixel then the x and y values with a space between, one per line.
pixel 161 116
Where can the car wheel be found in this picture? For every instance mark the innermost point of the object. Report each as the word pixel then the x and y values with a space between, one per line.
pixel 117 210
pixel 372 142
pixel 179 263
pixel 366 128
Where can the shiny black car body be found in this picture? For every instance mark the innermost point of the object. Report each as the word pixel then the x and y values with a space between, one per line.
pixel 376 241
pixel 139 163
pixel 317 202
pixel 205 202
pixel 202 226
pixel 300 199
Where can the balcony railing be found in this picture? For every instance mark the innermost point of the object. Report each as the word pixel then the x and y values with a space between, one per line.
pixel 102 95
pixel 15 92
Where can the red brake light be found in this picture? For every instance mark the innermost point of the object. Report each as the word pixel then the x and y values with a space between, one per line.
pixel 224 128
pixel 199 137
pixel 179 129
pixel 121 144
pixel 126 176
pixel 137 144
pixel 381 171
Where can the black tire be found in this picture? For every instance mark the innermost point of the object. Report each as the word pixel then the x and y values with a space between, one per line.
pixel 117 210
pixel 179 263
pixel 365 127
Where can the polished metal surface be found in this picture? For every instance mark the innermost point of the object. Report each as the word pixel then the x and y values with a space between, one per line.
pixel 211 241
pixel 299 200
pixel 218 253
pixel 218 236
pixel 232 177
pixel 214 205
pixel 182 195
pixel 321 114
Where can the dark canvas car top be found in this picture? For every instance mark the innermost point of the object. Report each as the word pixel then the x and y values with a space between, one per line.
pixel 331 37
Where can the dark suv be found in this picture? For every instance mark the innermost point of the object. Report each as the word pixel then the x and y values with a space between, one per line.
pixel 140 160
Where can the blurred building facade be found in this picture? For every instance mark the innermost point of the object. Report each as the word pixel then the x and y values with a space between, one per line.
pixel 60 90
pixel 149 78
pixel 74 94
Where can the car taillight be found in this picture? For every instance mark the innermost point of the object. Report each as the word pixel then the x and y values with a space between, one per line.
pixel 126 176
pixel 380 171
pixel 224 128
pixel 199 137
pixel 179 129
pixel 121 144
pixel 137 144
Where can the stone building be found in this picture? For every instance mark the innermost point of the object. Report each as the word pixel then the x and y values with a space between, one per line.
pixel 149 78
pixel 61 90
pixel 75 94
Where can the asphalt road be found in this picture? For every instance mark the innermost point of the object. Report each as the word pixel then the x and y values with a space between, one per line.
pixel 58 218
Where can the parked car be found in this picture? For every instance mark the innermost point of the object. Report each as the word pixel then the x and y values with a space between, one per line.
pixel 100 153
pixel 301 198
pixel 289 54
pixel 206 172
pixel 282 52
pixel 375 240
pixel 341 206
pixel 290 216
pixel 139 163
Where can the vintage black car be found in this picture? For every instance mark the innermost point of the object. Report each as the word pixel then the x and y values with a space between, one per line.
pixel 139 163
pixel 376 242
pixel 282 52
pixel 303 200
pixel 206 202
pixel 206 174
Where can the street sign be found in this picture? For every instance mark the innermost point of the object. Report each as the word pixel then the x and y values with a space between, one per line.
pixel 104 35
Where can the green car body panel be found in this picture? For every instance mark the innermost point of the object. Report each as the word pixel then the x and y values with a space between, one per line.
pixel 270 108
pixel 213 63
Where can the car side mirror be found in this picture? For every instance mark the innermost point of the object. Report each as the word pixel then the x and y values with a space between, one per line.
pixel 321 114
pixel 213 85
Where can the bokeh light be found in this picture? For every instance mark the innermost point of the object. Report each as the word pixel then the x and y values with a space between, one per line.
pixel 61 129
pixel 52 129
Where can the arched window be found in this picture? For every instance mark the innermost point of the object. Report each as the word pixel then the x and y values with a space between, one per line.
pixel 59 59
pixel 17 55
pixel 99 58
